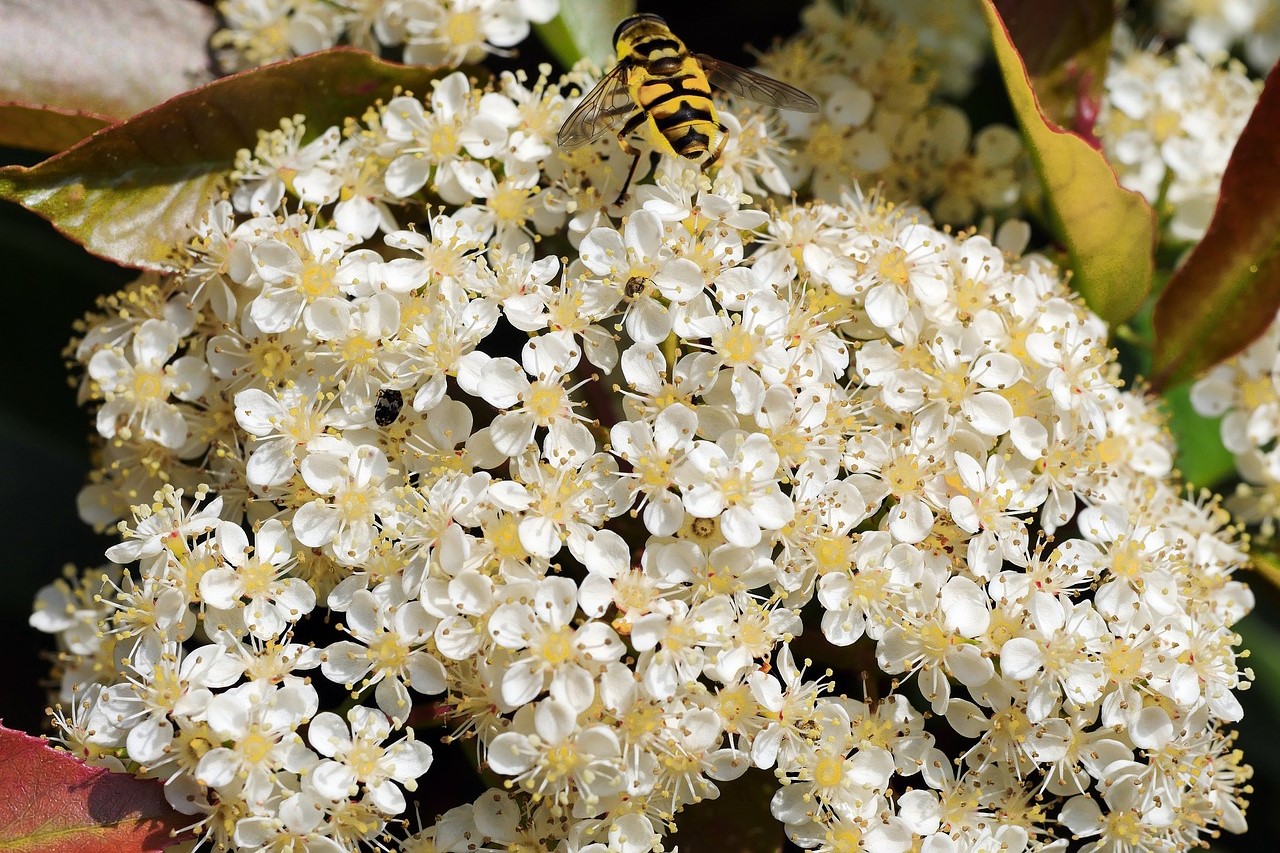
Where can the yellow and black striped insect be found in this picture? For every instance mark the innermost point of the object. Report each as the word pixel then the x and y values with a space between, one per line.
pixel 660 86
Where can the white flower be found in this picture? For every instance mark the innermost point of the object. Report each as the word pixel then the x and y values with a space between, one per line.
pixel 259 721
pixel 546 751
pixel 357 757
pixel 283 421
pixel 273 601
pixel 557 657
pixel 654 451
pixel 736 480
pixel 391 634
pixel 352 476
pixel 137 386
pixel 530 404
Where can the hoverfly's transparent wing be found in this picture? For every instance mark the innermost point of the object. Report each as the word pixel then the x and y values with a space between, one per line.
pixel 754 87
pixel 604 107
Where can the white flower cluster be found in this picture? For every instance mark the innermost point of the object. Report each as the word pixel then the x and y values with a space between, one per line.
pixel 879 80
pixel 582 507
pixel 1245 392
pixel 1214 27
pixel 427 32
pixel 1168 124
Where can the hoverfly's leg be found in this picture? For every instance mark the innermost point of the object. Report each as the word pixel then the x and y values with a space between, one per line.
pixel 626 130
pixel 715 155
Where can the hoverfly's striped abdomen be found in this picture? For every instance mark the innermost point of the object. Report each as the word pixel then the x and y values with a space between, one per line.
pixel 671 88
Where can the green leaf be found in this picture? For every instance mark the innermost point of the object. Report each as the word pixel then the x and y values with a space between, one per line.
pixel 584 28
pixel 130 192
pixel 1202 460
pixel 113 59
pixel 51 802
pixel 46 128
pixel 1227 292
pixel 1109 232
pixel 1066 45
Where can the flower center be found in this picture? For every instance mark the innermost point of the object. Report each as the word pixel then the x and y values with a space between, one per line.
pixel 257 576
pixel 317 281
pixel 557 646
pixel 829 771
pixel 463 29
pixel 545 401
pixel 270 358
pixel 148 385
pixel 388 653
pixel 511 205
pixel 826 145
pixel 832 553
pixel 255 747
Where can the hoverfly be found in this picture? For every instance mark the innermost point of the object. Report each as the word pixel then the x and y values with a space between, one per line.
pixel 660 85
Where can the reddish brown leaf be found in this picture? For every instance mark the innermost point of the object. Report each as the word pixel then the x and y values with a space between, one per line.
pixel 51 802
pixel 109 58
pixel 1227 292
pixel 130 192
pixel 46 128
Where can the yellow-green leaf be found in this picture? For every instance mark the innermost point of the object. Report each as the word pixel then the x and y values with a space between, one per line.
pixel 130 192
pixel 1228 291
pixel 1108 232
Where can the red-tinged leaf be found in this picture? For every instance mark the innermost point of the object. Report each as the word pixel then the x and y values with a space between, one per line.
pixel 1066 45
pixel 1228 291
pixel 51 802
pixel 1048 33
pixel 113 58
pixel 46 128
pixel 738 821
pixel 130 192
pixel 1109 232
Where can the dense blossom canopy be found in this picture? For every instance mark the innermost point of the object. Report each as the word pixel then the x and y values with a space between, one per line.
pixel 639 453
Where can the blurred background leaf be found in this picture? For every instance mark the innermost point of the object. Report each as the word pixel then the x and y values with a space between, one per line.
pixel 584 28
pixel 114 59
pixel 46 128
pixel 1065 45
